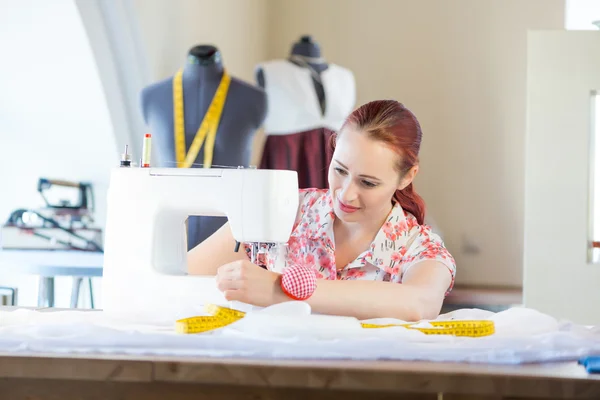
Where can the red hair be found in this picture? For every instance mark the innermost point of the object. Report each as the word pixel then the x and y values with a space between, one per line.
pixel 393 124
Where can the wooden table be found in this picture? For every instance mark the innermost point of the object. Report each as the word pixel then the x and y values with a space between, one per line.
pixel 63 377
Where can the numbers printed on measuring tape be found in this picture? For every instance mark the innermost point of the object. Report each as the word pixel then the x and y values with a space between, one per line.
pixel 219 317
pixel 477 328
pixel 222 316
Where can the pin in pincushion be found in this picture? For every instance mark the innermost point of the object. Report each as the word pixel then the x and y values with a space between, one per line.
pixel 298 282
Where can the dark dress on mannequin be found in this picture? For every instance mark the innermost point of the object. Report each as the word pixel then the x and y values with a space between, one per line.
pixel 243 113
pixel 307 150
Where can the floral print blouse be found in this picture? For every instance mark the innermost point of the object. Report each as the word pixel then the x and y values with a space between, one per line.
pixel 400 243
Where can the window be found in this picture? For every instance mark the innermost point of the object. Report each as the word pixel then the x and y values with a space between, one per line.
pixel 580 14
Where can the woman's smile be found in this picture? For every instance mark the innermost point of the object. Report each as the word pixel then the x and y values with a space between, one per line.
pixel 346 208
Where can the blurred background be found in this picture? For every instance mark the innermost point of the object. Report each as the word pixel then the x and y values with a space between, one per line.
pixel 72 73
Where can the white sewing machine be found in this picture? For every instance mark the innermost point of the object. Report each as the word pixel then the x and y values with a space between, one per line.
pixel 145 254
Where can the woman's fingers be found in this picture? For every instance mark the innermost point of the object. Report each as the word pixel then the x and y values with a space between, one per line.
pixel 235 295
pixel 232 280
pixel 230 271
pixel 229 284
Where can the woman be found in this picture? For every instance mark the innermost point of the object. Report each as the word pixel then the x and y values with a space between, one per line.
pixel 363 236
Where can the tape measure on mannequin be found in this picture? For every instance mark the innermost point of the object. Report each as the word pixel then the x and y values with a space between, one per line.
pixel 208 128
pixel 222 316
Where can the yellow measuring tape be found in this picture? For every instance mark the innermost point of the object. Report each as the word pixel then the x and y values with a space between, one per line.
pixel 219 317
pixel 223 316
pixel 208 128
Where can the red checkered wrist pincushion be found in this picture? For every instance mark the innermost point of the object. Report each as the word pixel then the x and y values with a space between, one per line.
pixel 299 283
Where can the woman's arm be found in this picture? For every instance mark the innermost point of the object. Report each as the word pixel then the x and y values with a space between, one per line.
pixel 419 296
pixel 218 249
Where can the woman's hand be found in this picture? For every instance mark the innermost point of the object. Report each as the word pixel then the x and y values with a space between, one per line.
pixel 246 282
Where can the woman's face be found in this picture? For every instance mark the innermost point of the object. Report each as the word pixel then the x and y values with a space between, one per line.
pixel 363 177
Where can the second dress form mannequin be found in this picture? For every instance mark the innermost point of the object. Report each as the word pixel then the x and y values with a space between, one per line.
pixel 308 100
pixel 243 113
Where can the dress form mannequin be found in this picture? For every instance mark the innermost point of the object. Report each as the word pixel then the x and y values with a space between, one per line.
pixel 305 52
pixel 243 113
pixel 308 100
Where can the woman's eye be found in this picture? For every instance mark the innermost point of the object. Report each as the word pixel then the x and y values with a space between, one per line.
pixel 369 184
pixel 340 171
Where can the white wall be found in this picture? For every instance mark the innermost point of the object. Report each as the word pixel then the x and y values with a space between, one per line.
pixel 53 117
pixel 460 65
pixel 564 68
pixel 170 28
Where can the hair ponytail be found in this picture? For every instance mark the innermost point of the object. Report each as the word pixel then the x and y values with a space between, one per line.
pixel 413 203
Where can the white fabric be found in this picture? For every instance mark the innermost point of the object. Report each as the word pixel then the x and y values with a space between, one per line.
pixel 289 331
pixel 293 104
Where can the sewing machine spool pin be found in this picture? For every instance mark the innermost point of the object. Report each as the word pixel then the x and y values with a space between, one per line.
pixel 126 157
